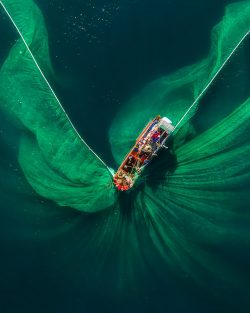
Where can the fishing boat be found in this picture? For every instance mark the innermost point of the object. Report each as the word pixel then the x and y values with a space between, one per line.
pixel 147 145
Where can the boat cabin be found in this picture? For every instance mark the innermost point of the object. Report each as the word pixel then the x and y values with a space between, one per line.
pixel 150 141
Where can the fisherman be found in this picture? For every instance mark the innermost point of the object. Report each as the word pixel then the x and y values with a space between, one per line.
pixel 156 136
pixel 147 149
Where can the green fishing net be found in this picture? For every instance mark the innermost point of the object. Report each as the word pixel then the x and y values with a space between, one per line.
pixel 54 159
pixel 201 201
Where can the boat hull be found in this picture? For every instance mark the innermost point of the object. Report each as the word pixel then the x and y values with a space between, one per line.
pixel 147 145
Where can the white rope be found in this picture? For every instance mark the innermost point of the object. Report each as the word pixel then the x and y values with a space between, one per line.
pixel 212 79
pixel 45 79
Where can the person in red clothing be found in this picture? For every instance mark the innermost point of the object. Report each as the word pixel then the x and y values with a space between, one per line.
pixel 156 136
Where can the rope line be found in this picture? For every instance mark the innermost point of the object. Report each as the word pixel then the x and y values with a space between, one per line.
pixel 51 89
pixel 212 79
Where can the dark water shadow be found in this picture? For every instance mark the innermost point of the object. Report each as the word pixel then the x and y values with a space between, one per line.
pixel 127 201
pixel 160 168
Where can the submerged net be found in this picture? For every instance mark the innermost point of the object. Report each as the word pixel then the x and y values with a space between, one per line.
pixel 56 162
pixel 202 202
